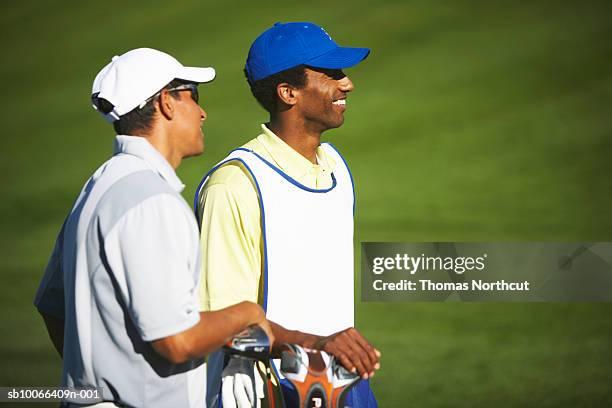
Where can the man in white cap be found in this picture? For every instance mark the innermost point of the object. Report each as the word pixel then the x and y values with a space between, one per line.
pixel 120 293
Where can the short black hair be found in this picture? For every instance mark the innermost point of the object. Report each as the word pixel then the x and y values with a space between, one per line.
pixel 138 119
pixel 264 90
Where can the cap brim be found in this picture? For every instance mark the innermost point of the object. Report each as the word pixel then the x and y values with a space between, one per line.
pixel 339 58
pixel 196 74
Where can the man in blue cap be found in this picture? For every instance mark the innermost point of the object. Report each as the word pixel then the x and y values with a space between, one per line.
pixel 276 215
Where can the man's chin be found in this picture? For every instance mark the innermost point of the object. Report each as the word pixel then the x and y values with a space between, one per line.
pixel 195 152
pixel 337 124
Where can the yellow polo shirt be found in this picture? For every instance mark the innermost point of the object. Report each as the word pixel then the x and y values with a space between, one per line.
pixel 231 237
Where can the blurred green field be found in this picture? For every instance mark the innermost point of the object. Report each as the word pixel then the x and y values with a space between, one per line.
pixel 470 121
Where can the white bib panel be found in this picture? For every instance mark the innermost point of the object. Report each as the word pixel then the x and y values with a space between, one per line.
pixel 308 246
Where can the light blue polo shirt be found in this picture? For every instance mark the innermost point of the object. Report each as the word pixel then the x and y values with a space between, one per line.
pixel 125 272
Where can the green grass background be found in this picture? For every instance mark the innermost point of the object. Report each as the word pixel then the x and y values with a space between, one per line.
pixel 470 121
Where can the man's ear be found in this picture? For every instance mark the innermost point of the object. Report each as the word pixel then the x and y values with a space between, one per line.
pixel 287 93
pixel 166 104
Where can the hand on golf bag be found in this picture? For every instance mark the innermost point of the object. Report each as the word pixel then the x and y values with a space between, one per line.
pixel 353 351
pixel 313 378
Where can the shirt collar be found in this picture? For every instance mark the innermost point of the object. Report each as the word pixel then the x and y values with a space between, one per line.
pixel 289 160
pixel 140 147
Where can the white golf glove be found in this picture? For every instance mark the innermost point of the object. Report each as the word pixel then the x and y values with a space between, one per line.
pixel 242 386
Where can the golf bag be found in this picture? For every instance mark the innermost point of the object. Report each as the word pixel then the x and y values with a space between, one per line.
pixel 312 378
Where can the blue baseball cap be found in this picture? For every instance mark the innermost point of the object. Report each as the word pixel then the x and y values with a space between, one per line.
pixel 287 45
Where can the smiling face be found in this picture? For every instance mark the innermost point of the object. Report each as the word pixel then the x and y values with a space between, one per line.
pixel 322 101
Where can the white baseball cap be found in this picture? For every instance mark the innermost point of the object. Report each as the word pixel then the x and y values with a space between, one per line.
pixel 132 78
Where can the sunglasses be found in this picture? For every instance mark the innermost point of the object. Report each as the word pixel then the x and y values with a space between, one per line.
pixel 188 87
pixel 193 88
pixel 336 74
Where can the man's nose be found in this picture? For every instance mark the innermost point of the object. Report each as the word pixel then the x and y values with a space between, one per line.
pixel 346 85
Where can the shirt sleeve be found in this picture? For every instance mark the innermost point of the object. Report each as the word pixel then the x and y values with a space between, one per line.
pixel 49 297
pixel 230 239
pixel 152 253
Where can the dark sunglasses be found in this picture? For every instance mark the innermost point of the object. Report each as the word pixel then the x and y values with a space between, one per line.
pixel 336 74
pixel 193 88
pixel 188 87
